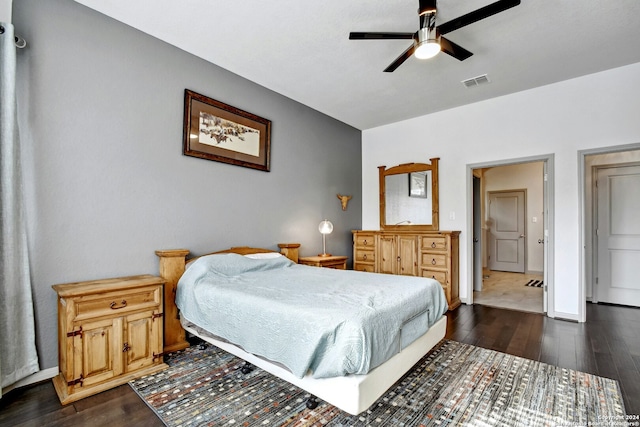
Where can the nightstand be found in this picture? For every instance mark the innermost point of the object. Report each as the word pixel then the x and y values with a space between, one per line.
pixel 337 262
pixel 109 332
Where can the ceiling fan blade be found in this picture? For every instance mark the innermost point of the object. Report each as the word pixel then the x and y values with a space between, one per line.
pixel 400 59
pixel 477 15
pixel 453 49
pixel 381 36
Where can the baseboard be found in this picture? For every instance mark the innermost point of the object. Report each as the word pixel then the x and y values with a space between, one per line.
pixel 537 273
pixel 566 316
pixel 45 374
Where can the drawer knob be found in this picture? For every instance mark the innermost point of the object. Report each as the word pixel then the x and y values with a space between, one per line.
pixel 114 305
pixel 126 347
pixel 433 244
pixel 433 261
pixel 364 242
pixel 364 257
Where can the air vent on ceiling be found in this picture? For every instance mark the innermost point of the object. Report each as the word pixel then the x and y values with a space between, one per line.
pixel 476 81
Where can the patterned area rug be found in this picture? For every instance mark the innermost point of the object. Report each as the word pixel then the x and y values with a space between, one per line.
pixel 455 384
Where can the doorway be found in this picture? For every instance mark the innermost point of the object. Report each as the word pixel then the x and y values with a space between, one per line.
pixel 591 161
pixel 510 245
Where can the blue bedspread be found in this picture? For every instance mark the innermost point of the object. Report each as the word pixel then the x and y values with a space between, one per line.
pixel 331 322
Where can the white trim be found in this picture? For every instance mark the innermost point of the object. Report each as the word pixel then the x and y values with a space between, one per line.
pixel 567 316
pixel 351 393
pixel 45 374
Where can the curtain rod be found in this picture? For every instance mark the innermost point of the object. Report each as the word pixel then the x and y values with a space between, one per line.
pixel 19 41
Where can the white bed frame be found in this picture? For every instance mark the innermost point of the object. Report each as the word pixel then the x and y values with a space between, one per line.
pixel 352 393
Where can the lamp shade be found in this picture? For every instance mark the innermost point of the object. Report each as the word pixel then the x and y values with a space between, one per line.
pixel 325 227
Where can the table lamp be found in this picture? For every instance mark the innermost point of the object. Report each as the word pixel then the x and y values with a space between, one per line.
pixel 325 228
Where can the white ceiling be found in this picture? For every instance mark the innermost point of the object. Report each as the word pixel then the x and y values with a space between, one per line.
pixel 301 48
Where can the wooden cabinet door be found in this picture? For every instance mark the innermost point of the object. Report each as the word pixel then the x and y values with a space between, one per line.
pixel 142 340
pixel 97 355
pixel 387 258
pixel 407 255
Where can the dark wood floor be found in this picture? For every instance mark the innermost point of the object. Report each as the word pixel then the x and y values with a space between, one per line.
pixel 608 344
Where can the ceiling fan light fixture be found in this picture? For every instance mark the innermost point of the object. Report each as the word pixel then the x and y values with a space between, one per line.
pixel 428 44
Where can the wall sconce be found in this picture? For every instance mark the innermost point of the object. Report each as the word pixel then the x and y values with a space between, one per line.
pixel 325 228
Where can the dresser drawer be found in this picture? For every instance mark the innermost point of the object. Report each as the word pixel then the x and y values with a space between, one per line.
pixel 365 256
pixel 440 276
pixel 433 243
pixel 88 307
pixel 433 260
pixel 365 240
pixel 369 268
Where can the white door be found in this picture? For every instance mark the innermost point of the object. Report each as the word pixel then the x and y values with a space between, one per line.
pixel 506 231
pixel 618 234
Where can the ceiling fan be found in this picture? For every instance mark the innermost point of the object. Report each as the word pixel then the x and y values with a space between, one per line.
pixel 428 40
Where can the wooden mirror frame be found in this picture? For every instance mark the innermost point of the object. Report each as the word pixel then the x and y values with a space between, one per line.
pixel 408 168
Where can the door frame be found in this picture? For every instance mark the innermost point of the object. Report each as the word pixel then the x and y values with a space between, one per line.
pixel 585 202
pixel 548 216
pixel 477 234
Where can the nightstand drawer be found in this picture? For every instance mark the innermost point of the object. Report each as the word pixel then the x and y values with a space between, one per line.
pixel 118 302
pixel 433 243
pixel 434 260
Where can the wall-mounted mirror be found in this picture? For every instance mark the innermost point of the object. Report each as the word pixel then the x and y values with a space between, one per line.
pixel 409 196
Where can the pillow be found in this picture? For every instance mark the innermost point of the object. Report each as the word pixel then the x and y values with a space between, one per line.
pixel 232 264
pixel 264 255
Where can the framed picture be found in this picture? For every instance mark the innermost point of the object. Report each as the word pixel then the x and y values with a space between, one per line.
pixel 418 184
pixel 216 131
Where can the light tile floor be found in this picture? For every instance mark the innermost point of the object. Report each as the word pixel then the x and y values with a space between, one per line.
pixel 507 290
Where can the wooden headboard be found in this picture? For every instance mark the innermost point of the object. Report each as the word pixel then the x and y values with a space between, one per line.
pixel 172 266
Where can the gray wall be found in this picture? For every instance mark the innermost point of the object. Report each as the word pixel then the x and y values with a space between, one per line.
pixel 106 181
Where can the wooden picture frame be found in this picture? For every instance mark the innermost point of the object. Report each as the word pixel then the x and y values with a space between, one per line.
pixel 216 131
pixel 418 184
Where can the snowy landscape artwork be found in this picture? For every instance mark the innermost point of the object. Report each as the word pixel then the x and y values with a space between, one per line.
pixel 222 133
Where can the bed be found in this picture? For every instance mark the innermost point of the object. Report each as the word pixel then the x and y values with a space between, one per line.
pixel 346 348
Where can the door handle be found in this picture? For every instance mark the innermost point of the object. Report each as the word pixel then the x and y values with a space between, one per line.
pixel 521 236
pixel 475 240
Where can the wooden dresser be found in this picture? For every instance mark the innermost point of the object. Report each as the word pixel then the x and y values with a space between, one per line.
pixel 109 332
pixel 433 254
